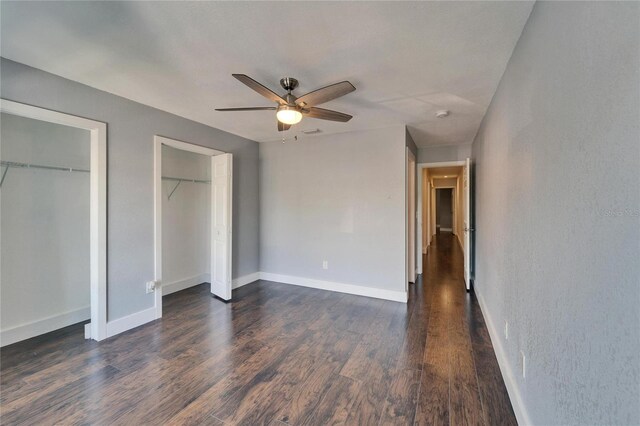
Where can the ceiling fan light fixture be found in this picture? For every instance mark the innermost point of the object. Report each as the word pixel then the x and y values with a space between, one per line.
pixel 288 115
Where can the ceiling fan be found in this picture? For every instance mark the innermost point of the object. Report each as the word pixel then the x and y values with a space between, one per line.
pixel 291 109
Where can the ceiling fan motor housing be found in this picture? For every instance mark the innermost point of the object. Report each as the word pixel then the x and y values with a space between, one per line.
pixel 288 83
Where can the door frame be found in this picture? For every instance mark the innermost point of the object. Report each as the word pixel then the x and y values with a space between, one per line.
pixel 97 329
pixel 158 141
pixel 420 167
pixel 467 223
pixel 410 214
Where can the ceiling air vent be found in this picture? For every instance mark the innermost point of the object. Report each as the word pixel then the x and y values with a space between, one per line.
pixel 311 131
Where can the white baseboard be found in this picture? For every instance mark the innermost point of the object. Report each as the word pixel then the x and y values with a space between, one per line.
pixel 245 279
pixel 396 296
pixel 184 283
pixel 447 229
pixel 130 321
pixel 505 368
pixel 139 318
pixel 45 325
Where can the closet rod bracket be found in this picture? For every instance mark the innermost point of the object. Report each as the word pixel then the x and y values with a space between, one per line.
pixel 4 175
pixel 174 189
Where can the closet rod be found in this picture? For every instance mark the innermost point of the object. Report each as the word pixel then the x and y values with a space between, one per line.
pixel 15 164
pixel 185 180
pixel 180 180
pixel 40 166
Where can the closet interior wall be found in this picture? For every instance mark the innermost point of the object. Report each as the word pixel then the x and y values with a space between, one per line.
pixel 186 219
pixel 44 225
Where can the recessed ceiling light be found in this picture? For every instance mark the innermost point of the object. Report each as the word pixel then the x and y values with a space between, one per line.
pixel 446 176
pixel 442 113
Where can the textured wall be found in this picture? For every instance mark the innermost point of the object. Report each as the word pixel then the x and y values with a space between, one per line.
pixel 558 214
pixel 339 198
pixel 44 227
pixel 131 127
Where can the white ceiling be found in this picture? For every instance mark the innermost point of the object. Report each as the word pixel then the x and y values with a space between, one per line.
pixel 406 59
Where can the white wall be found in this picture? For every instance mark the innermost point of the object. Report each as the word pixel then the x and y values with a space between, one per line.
pixel 339 198
pixel 186 241
pixel 436 154
pixel 558 215
pixel 44 225
pixel 444 182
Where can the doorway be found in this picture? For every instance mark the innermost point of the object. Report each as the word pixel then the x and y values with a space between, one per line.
pixel 432 177
pixel 53 219
pixel 215 170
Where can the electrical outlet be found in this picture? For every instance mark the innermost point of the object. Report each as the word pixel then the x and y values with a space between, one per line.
pixel 523 361
pixel 151 286
pixel 325 264
pixel 506 330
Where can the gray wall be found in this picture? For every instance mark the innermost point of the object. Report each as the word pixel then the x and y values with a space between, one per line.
pixel 131 127
pixel 339 198
pixel 437 154
pixel 44 229
pixel 558 213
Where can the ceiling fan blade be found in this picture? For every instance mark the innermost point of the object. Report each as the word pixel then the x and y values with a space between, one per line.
pixel 327 114
pixel 282 127
pixel 325 94
pixel 267 93
pixel 247 109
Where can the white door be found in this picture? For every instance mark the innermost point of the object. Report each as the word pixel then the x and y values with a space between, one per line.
pixel 221 187
pixel 468 228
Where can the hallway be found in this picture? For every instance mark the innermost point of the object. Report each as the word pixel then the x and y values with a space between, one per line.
pixel 279 354
pixel 461 380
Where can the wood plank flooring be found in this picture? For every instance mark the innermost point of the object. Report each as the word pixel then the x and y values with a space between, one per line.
pixel 277 355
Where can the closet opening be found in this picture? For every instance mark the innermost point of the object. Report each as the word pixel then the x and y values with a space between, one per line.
pixel 52 224
pixel 193 201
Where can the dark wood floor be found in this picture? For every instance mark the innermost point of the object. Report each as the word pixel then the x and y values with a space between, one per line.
pixel 278 354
